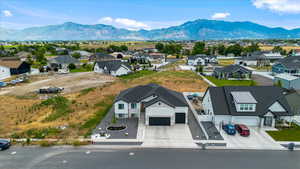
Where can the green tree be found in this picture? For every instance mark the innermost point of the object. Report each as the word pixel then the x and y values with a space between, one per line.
pixel 252 48
pixel 199 48
pixel 279 49
pixel 221 49
pixel 71 66
pixel 159 46
pixel 172 49
pixel 123 48
pixel 278 83
pixel 235 49
pixel 76 55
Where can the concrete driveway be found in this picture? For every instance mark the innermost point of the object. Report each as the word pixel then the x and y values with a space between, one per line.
pixel 178 135
pixel 258 139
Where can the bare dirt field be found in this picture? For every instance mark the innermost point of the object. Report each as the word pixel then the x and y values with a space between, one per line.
pixel 72 82
pixel 82 109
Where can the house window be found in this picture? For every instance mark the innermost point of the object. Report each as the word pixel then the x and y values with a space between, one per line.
pixel 121 115
pixel 133 105
pixel 121 106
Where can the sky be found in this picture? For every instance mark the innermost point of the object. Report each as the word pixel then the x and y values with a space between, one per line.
pixel 146 14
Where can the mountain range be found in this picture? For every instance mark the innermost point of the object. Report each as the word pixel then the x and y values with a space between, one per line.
pixel 201 29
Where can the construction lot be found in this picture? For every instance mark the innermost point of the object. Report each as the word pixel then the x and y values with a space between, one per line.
pixel 70 82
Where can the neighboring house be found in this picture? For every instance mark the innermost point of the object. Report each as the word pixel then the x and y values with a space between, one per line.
pixel 13 67
pixel 289 65
pixel 112 67
pixel 83 54
pixel 288 81
pixel 200 59
pixel 101 57
pixel 250 105
pixel 152 103
pixel 232 72
pixel 293 100
pixel 160 57
pixel 62 62
pixel 23 56
pixel 259 59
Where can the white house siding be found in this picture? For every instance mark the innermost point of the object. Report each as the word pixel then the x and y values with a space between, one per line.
pixel 182 110
pixel 217 119
pixel 207 104
pixel 97 69
pixel 247 62
pixel 121 71
pixel 134 112
pixel 276 107
pixel 124 111
pixel 162 110
pixel 247 120
pixel 4 72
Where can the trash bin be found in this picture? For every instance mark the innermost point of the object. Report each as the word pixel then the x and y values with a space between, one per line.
pixel 291 146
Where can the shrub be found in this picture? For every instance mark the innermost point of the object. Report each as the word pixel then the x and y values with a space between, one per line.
pixel 46 143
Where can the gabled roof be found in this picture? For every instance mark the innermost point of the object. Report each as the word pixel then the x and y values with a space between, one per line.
pixel 265 96
pixel 103 56
pixel 194 57
pixel 10 63
pixel 293 100
pixel 112 65
pixel 64 59
pixel 290 62
pixel 232 68
pixel 138 93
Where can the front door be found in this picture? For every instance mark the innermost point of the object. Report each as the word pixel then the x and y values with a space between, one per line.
pixel 268 121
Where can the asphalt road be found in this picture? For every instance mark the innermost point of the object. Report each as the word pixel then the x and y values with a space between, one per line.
pixel 83 158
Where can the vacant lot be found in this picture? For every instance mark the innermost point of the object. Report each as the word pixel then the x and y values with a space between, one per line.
pixel 71 82
pixel 80 111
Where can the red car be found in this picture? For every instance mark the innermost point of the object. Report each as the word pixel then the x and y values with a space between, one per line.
pixel 242 129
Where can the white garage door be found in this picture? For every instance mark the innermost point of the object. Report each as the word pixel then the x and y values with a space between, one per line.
pixel 250 121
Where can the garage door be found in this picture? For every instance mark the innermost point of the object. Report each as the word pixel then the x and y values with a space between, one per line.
pixel 159 121
pixel 180 118
pixel 250 121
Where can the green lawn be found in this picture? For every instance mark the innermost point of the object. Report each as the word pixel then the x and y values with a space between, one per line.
pixel 137 74
pixel 80 70
pixel 219 82
pixel 286 134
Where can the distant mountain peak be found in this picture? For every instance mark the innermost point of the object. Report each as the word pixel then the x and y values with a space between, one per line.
pixel 200 29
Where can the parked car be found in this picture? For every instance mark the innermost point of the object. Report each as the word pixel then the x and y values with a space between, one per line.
pixel 3 84
pixel 229 129
pixel 50 90
pixel 242 129
pixel 4 144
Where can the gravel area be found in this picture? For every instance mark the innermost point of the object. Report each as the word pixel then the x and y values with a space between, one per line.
pixel 131 127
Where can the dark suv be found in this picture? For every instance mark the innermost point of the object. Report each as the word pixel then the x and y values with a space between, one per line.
pixel 4 144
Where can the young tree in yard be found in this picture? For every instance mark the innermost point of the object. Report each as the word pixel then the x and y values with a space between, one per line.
pixel 76 55
pixel 278 83
pixel 159 46
pixel 71 66
pixel 199 48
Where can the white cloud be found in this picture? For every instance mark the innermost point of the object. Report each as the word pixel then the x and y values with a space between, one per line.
pixel 220 15
pixel 124 23
pixel 284 6
pixel 7 13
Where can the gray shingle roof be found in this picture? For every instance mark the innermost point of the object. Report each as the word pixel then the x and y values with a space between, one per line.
pixel 223 104
pixel 291 62
pixel 112 65
pixel 231 69
pixel 64 59
pixel 102 56
pixel 194 57
pixel 136 94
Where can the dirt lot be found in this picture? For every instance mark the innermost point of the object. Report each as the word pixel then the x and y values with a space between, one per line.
pixel 19 114
pixel 71 82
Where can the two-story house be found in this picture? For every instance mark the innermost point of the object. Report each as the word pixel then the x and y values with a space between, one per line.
pixel 250 105
pixel 153 103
